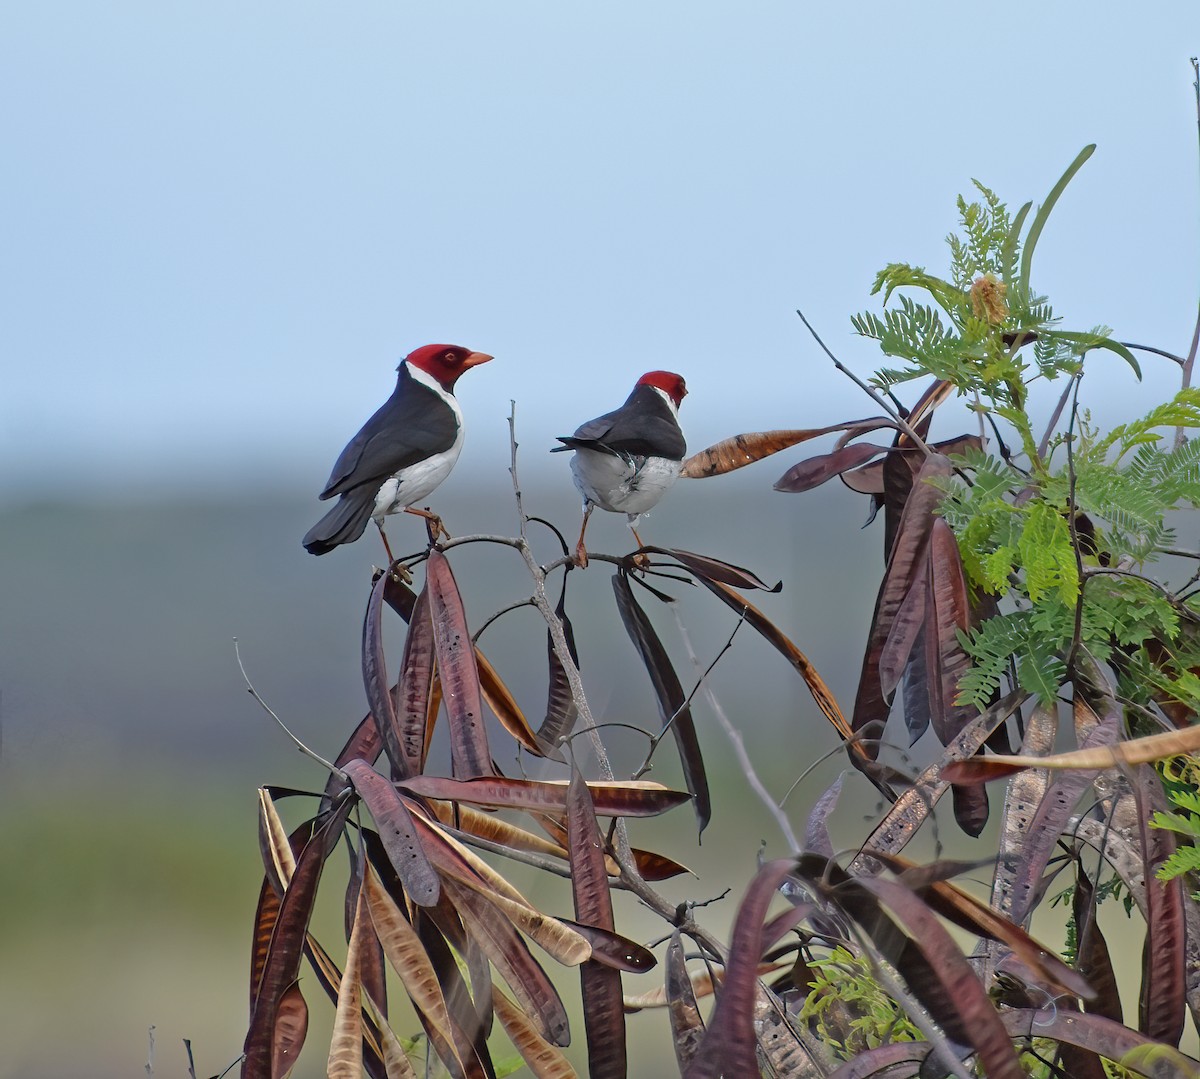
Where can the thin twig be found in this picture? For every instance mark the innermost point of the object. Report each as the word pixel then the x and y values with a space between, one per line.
pixel 870 391
pixel 1178 552
pixel 283 726
pixel 739 749
pixel 656 740
pixel 512 468
pixel 1056 415
pixel 1114 571
pixel 1156 351
pixel 516 606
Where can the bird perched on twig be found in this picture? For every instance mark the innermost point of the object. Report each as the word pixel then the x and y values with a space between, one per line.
pixel 626 460
pixel 402 452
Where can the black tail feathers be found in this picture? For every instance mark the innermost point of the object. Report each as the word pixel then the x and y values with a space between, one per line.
pixel 342 524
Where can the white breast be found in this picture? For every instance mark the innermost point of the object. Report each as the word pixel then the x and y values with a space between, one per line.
pixel 410 485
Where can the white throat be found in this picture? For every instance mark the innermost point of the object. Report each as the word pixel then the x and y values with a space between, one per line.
pixel 670 402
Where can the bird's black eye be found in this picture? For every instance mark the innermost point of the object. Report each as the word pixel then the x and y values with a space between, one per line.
pixel 451 358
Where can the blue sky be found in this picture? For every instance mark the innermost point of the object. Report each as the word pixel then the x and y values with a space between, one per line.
pixel 224 224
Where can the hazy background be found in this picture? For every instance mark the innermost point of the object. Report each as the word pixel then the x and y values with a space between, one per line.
pixel 222 227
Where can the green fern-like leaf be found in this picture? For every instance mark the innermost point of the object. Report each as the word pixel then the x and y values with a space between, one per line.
pixel 1041 672
pixel 1047 554
pixel 1186 859
pixel 990 647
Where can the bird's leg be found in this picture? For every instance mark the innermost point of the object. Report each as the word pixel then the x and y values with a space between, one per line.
pixel 383 536
pixel 639 560
pixel 581 557
pixel 433 523
pixel 398 571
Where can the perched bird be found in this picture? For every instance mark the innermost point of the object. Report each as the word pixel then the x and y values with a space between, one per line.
pixel 626 460
pixel 402 452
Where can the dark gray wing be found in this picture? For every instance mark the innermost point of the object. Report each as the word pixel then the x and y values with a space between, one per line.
pixel 412 424
pixel 643 426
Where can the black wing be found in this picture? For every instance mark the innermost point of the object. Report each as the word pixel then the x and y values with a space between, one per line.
pixel 414 423
pixel 642 427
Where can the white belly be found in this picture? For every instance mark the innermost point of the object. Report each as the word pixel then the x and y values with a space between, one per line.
pixel 410 485
pixel 620 485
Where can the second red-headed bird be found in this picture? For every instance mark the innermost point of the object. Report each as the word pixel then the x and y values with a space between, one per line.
pixel 626 460
pixel 402 452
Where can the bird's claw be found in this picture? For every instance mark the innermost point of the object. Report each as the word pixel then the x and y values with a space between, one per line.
pixel 581 555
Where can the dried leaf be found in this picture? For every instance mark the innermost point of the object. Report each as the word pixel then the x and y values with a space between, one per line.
pixel 585 845
pixel 672 701
pixel 1095 962
pixel 345 1043
pixel 817 470
pixel 543 1059
pixel 907 633
pixel 629 799
pixel 687 1027
pixel 411 698
pixel 561 710
pixel 905 564
pixel 714 569
pixel 375 677
pixel 273 842
pixel 291 1026
pixel 281 968
pixel 510 956
pixel 374 1034
pixel 504 706
pixel 1161 1001
pixel 496 829
pixel 409 959
pixel 614 950
pixel 741 450
pixel 816 828
pixel 364 743
pixel 458 671
pixel 1153 747
pixel 398 832
pixel 949 613
pixel 372 964
pixel 604 1018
